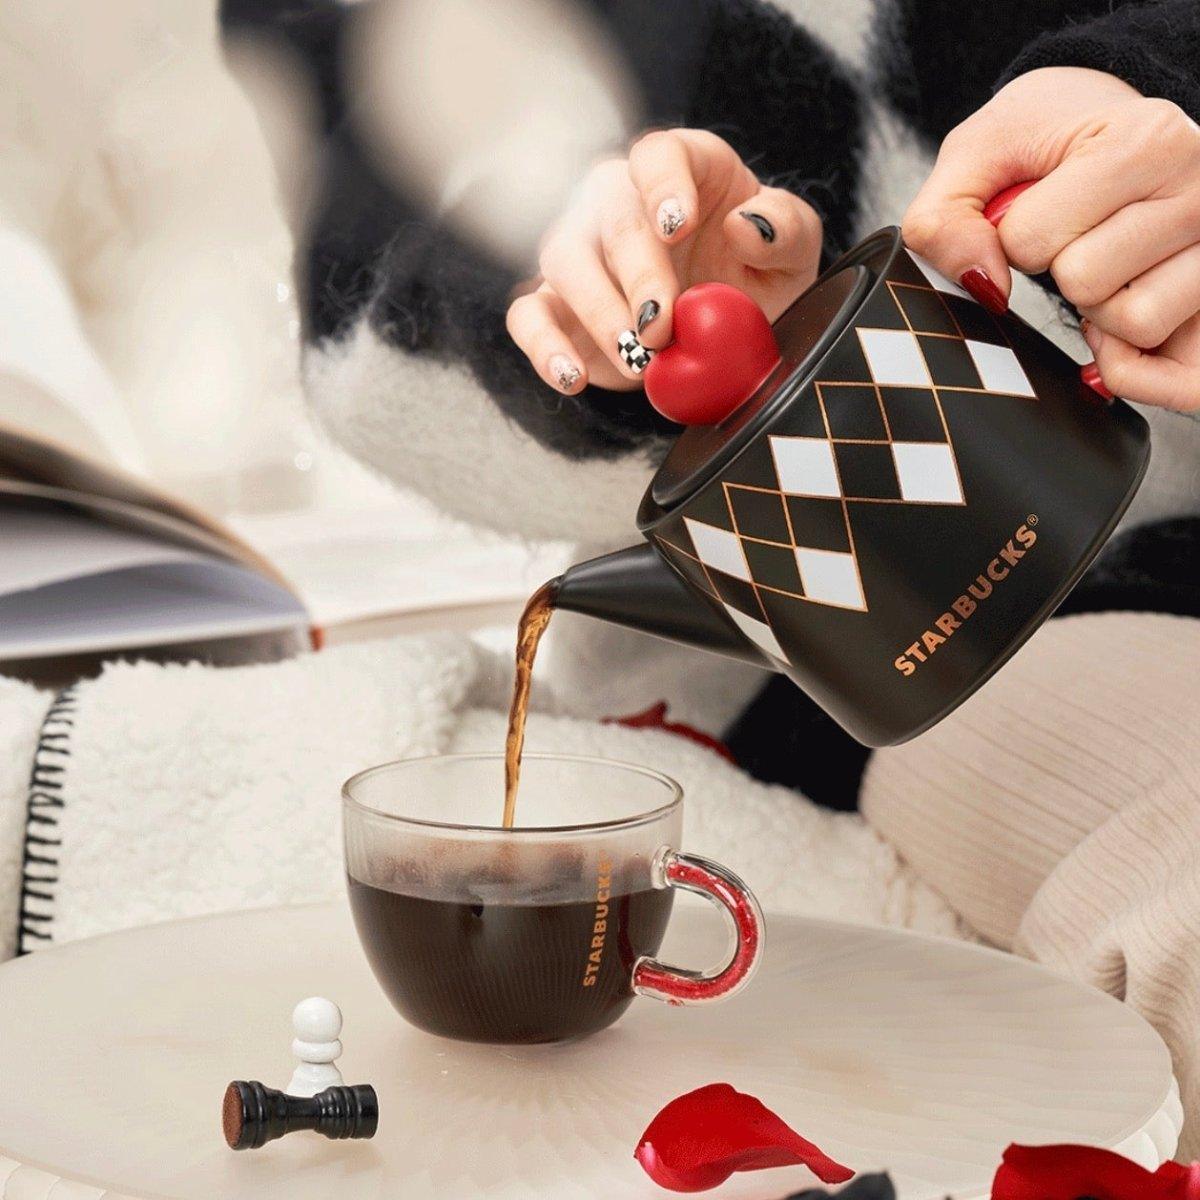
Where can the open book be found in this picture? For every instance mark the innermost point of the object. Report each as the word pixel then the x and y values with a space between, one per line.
pixel 92 558
pixel 95 557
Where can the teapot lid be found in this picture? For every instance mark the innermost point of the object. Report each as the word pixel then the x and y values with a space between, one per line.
pixel 805 332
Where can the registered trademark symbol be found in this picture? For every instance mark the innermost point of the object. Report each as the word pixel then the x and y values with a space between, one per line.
pixel 1031 519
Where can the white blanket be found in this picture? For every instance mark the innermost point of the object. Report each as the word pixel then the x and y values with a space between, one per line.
pixel 167 791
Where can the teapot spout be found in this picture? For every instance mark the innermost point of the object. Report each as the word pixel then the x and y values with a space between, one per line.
pixel 637 589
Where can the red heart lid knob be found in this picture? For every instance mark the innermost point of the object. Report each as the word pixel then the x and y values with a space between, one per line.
pixel 723 349
pixel 730 367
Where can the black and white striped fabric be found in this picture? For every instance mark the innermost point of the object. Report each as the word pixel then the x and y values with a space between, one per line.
pixel 47 800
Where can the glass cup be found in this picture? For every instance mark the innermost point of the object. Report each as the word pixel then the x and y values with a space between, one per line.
pixel 541 932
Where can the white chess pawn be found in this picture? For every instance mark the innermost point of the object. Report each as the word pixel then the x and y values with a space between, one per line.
pixel 316 1022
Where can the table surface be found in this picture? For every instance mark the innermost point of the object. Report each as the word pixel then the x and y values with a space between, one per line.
pixel 920 1055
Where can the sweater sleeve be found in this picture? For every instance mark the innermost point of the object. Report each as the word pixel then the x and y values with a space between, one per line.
pixel 1153 47
pixel 372 252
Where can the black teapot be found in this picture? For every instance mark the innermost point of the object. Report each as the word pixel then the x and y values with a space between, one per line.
pixel 901 502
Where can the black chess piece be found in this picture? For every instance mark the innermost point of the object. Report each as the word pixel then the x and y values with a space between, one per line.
pixel 254 1114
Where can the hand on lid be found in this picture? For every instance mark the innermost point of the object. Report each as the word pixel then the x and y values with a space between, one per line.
pixel 681 209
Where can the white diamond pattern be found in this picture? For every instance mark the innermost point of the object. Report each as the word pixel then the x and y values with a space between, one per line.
pixel 938 281
pixel 719 548
pixel 927 473
pixel 907 368
pixel 831 577
pixel 999 369
pixel 805 466
pixel 895 358
pixel 759 632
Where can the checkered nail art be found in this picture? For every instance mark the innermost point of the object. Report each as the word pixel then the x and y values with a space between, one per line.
pixel 634 355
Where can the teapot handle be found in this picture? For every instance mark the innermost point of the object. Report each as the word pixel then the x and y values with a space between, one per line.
pixel 1001 202
pixel 994 210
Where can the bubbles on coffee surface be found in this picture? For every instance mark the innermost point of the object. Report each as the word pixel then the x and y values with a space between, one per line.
pixel 545 873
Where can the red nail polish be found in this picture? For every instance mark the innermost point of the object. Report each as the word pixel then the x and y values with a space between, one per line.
pixel 1090 374
pixel 983 288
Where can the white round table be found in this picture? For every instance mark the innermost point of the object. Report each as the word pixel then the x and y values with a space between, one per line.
pixel 889 1050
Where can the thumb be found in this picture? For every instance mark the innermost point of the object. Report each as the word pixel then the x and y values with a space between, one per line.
pixel 946 223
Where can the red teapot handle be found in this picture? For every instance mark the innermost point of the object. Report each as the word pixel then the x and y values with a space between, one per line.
pixel 1001 202
pixel 994 210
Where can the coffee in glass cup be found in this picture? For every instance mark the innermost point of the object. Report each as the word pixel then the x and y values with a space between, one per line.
pixel 537 933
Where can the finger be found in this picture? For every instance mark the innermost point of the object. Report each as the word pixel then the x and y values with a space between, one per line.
pixel 662 173
pixel 1077 196
pixel 533 322
pixel 1128 244
pixel 683 174
pixel 640 263
pixel 1155 304
pixel 572 266
pixel 1159 378
pixel 945 222
pixel 774 230
pixel 1103 171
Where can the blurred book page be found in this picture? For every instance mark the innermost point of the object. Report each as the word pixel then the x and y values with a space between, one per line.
pixel 352 564
pixel 35 467
pixel 72 584
pixel 43 343
pixel 158 604
pixel 40 546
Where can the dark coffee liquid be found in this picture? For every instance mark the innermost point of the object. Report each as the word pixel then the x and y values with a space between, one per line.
pixel 507 972
pixel 532 625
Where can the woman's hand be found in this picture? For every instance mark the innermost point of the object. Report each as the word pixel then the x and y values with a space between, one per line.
pixel 682 209
pixel 1115 218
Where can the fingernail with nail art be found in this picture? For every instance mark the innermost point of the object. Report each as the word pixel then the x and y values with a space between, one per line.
pixel 670 216
pixel 647 313
pixel 566 373
pixel 633 354
pixel 765 229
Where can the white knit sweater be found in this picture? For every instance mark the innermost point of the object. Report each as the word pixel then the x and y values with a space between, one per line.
pixel 1058 811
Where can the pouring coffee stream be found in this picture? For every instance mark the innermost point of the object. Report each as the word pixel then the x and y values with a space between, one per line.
pixel 530 628
pixel 888 509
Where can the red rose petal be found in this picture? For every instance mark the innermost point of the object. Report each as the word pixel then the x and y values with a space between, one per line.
pixel 1069 1172
pixel 699 1139
pixel 1182 1182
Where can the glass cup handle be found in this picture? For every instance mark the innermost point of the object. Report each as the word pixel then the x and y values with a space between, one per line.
pixel 676 985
